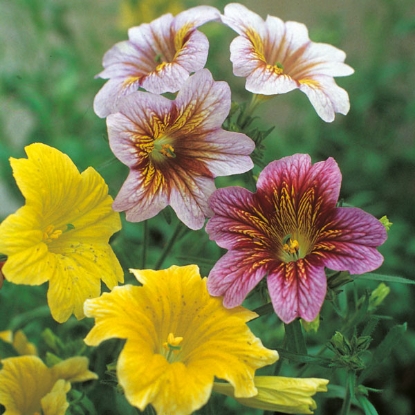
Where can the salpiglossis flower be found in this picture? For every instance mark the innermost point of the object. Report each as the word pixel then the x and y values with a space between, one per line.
pixel 159 56
pixel 178 339
pixel 61 234
pixel 280 394
pixel 288 231
pixel 175 148
pixel 276 57
pixel 29 387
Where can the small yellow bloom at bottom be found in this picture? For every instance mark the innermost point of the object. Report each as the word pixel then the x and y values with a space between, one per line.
pixel 29 387
pixel 277 393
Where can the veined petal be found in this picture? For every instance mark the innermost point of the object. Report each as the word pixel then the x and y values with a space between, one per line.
pixel 349 243
pixel 196 16
pixel 240 18
pixel 203 104
pixel 194 192
pixel 297 289
pixel 239 220
pixel 326 97
pixel 298 176
pixel 212 341
pixel 236 274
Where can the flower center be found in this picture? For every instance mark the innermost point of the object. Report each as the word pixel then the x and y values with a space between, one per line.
pixel 291 247
pixel 51 233
pixel 172 346
pixel 162 147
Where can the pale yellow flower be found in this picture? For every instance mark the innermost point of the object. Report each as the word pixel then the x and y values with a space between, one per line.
pixel 179 339
pixel 277 393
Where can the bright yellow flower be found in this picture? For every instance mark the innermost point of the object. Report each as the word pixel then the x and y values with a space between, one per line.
pixel 28 386
pixel 61 234
pixel 276 393
pixel 19 342
pixel 178 339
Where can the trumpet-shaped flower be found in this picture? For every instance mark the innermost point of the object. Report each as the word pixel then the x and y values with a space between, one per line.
pixel 277 57
pixel 288 231
pixel 29 387
pixel 175 148
pixel 61 234
pixel 157 57
pixel 280 394
pixel 178 339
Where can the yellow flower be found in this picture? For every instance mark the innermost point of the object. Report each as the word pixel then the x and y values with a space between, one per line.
pixel 276 393
pixel 61 234
pixel 178 339
pixel 28 386
pixel 19 342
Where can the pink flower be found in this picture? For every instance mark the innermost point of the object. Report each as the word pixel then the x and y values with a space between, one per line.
pixel 277 57
pixel 288 231
pixel 174 149
pixel 157 57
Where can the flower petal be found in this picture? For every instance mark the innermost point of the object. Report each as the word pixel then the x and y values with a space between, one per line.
pixel 74 369
pixel 55 403
pixel 297 175
pixel 297 289
pixel 326 97
pixel 236 274
pixel 352 245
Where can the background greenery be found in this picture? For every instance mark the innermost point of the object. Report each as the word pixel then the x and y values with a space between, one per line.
pixel 50 52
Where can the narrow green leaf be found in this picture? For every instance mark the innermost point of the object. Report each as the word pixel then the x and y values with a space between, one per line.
pixel 304 358
pixel 387 278
pixel 366 405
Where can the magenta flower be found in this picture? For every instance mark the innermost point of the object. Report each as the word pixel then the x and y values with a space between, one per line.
pixel 288 231
pixel 157 57
pixel 174 149
pixel 277 57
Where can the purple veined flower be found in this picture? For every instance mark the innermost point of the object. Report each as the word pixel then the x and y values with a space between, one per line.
pixel 277 57
pixel 175 148
pixel 289 231
pixel 157 57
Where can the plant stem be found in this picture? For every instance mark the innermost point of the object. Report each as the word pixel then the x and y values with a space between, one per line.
pixel 295 338
pixel 169 246
pixel 350 380
pixel 145 242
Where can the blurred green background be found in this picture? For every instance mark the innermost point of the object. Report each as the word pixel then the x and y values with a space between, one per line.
pixel 50 51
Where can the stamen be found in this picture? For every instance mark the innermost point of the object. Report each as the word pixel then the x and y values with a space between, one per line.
pixel 172 345
pixel 168 151
pixel 50 233
pixel 291 246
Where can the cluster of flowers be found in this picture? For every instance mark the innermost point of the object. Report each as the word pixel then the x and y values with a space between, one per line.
pixel 183 330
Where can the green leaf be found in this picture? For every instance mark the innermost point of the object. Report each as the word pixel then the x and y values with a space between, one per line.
pixel 367 407
pixel 387 278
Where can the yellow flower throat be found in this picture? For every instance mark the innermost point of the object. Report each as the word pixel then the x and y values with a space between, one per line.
pixel 51 233
pixel 172 345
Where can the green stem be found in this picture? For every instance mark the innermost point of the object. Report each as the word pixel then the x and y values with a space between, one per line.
pixel 350 381
pixel 169 246
pixel 145 242
pixel 295 338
